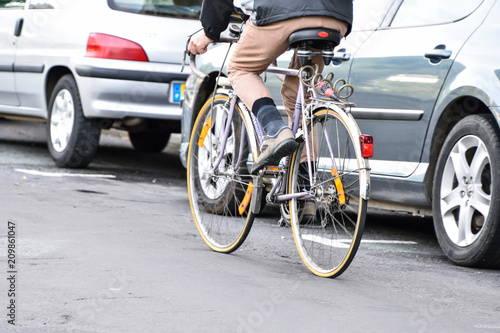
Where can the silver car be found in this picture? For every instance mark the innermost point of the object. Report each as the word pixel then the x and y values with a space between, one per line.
pixel 85 65
pixel 426 75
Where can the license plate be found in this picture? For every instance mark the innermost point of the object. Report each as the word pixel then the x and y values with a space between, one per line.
pixel 177 92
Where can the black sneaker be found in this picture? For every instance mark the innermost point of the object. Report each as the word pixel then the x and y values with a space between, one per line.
pixel 274 148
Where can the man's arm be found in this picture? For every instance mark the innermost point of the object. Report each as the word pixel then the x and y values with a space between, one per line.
pixel 215 16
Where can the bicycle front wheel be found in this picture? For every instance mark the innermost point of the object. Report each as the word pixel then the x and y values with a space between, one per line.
pixel 327 227
pixel 219 194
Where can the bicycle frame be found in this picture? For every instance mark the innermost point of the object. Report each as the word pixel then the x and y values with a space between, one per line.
pixel 255 137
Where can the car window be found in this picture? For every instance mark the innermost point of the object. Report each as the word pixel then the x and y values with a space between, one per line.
pixel 368 14
pixel 430 12
pixel 9 4
pixel 174 8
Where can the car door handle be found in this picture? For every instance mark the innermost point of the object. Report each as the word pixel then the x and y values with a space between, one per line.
pixel 19 27
pixel 439 53
pixel 341 55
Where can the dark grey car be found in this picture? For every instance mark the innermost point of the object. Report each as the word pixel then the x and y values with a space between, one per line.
pixel 426 77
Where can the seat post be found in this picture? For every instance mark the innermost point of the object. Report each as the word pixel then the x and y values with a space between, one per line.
pixel 327 55
pixel 304 54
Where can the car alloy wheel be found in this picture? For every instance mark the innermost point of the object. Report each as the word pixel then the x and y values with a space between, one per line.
pixel 466 190
pixel 465 198
pixel 62 120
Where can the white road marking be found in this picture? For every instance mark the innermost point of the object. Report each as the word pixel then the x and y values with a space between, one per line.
pixel 488 327
pixel 62 174
pixel 344 243
pixel 382 241
pixel 338 243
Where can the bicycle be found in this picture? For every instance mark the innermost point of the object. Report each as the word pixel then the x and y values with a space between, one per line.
pixel 335 177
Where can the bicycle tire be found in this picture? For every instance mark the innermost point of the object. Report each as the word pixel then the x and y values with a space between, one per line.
pixel 328 246
pixel 215 197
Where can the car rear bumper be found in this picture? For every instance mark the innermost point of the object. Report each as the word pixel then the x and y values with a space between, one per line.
pixel 118 89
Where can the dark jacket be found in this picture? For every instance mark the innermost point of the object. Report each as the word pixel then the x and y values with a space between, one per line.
pixel 215 14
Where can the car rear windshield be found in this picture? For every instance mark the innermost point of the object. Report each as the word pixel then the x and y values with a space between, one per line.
pixel 171 8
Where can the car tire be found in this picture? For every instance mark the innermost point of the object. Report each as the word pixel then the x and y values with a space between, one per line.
pixel 466 195
pixel 71 137
pixel 150 141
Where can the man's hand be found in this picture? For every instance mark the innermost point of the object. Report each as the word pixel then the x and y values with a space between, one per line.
pixel 199 42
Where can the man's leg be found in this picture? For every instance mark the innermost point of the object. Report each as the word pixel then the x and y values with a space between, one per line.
pixel 254 53
pixel 256 50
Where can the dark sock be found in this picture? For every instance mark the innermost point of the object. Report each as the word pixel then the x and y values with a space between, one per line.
pixel 268 115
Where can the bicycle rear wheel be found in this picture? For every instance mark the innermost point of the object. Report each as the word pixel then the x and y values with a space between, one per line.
pixel 218 198
pixel 328 243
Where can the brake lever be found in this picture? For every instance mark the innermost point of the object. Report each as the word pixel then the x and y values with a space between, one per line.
pixel 186 52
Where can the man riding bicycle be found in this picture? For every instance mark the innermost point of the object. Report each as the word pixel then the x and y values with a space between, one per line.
pixel 264 39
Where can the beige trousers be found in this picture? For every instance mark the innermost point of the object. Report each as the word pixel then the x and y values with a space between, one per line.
pixel 259 46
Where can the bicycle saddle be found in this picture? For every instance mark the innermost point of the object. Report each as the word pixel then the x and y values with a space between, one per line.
pixel 319 38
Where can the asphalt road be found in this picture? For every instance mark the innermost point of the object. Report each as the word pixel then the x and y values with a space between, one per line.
pixel 113 248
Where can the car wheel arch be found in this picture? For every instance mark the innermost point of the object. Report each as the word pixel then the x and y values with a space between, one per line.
pixel 454 111
pixel 51 79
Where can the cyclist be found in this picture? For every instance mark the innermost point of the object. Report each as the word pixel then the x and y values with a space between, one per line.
pixel 264 39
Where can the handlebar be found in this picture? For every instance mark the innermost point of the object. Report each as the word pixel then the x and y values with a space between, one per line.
pixel 194 69
pixel 192 57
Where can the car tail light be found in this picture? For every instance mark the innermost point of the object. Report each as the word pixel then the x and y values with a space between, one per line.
pixel 366 142
pixel 112 47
